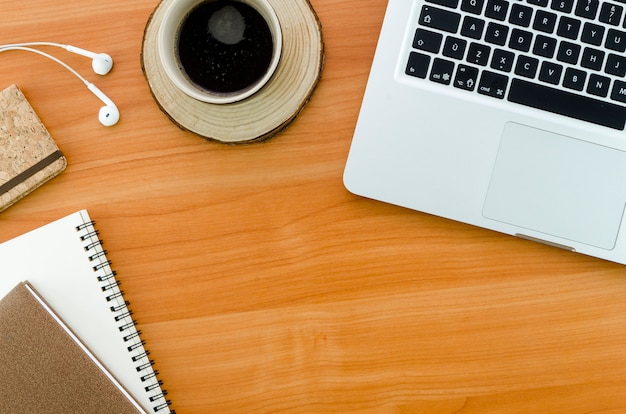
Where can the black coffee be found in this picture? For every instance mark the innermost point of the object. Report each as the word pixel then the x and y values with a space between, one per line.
pixel 225 46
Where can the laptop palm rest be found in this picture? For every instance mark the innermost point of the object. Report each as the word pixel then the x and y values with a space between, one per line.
pixel 559 186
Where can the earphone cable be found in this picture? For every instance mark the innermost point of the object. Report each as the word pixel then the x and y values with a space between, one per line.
pixel 6 48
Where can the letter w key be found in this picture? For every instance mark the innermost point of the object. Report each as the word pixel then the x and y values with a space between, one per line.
pixel 497 9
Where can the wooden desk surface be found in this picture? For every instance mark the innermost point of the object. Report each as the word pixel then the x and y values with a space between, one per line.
pixel 262 286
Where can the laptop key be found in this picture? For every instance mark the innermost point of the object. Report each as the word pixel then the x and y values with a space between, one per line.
pixel 526 66
pixel 598 85
pixel 568 53
pixel 592 59
pixel 544 46
pixel 568 28
pixel 418 65
pixel 472 27
pixel 574 79
pixel 502 60
pixel 493 84
pixel 550 73
pixel 466 77
pixel 587 9
pixel 616 40
pixel 616 65
pixel 447 3
pixel 520 40
pixel 564 6
pixel 454 47
pixel 611 14
pixel 619 91
pixel 496 34
pixel 440 19
pixel 520 15
pixel 442 71
pixel 497 9
pixel 472 6
pixel 592 34
pixel 544 21
pixel 478 54
pixel 569 104
pixel 427 40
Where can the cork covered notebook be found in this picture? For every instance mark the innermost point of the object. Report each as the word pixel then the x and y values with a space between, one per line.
pixel 44 368
pixel 28 155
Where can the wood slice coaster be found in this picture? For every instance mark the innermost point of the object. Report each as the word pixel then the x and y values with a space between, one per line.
pixel 264 114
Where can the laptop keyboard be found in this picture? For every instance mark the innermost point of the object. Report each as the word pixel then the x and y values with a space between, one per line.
pixel 562 56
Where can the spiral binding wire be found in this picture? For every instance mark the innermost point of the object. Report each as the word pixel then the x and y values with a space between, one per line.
pixel 123 317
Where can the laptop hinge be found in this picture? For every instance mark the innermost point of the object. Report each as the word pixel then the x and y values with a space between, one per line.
pixel 535 239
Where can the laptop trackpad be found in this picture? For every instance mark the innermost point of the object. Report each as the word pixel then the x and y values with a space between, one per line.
pixel 558 185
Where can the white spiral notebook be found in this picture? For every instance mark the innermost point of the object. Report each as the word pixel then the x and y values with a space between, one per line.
pixel 65 262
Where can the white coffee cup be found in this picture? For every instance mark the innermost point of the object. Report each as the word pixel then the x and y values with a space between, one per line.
pixel 168 48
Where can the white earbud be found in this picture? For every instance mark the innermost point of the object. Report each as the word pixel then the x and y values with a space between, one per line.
pixel 109 115
pixel 100 62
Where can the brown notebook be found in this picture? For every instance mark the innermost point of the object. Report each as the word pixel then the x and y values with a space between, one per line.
pixel 44 368
pixel 28 155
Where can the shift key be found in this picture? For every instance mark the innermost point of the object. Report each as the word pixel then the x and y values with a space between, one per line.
pixel 440 19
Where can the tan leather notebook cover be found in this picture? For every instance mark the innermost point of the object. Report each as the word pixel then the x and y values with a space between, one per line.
pixel 28 155
pixel 45 369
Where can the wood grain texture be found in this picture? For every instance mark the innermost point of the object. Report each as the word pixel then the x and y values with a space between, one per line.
pixel 261 285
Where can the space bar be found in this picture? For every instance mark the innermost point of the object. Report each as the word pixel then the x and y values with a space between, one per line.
pixel 568 104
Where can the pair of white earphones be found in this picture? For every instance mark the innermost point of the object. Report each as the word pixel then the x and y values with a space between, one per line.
pixel 101 63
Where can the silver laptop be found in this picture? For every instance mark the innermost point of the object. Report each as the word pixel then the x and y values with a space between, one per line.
pixel 507 115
